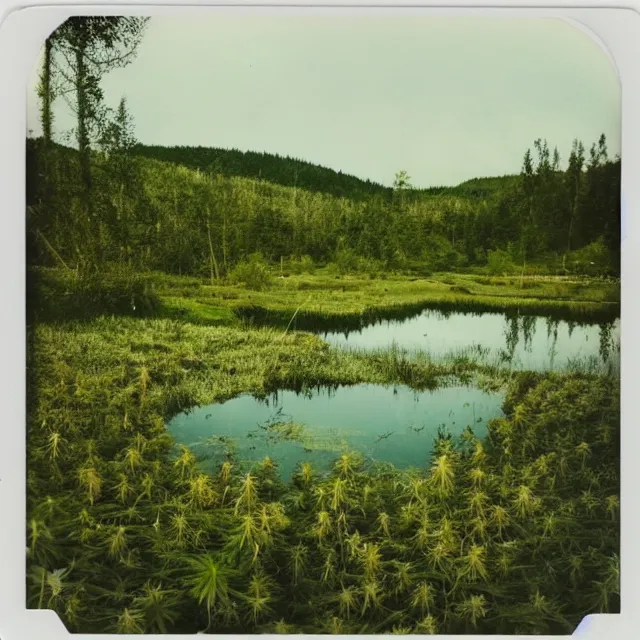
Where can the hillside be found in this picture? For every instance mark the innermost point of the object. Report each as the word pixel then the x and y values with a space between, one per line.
pixel 171 208
pixel 285 171
pixel 292 172
pixel 483 187
pixel 300 174
pixel 166 215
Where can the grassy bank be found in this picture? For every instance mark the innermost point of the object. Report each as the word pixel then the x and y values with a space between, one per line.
pixel 517 533
pixel 318 301
pixel 325 301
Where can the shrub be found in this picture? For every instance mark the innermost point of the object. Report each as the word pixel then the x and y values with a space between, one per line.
pixel 480 256
pixel 499 263
pixel 253 274
pixel 346 261
pixel 304 264
pixel 440 255
pixel 594 260
pixel 373 268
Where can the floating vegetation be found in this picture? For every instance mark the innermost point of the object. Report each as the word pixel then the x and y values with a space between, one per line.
pixel 388 423
pixel 311 439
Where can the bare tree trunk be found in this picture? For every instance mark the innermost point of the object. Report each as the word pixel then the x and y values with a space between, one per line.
pixel 45 93
pixel 224 241
pixel 573 215
pixel 53 251
pixel 214 263
pixel 295 186
pixel 82 134
pixel 573 209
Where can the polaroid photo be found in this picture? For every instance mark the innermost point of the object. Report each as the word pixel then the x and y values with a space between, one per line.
pixel 313 320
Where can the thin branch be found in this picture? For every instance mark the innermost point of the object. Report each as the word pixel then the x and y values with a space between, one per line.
pixel 53 251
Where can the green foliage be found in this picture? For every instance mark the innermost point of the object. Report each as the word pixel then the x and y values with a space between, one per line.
pixel 500 263
pixel 253 274
pixel 439 254
pixel 596 259
pixel 402 181
pixel 304 264
pixel 115 289
pixel 347 261
pixel 184 221
pixel 491 536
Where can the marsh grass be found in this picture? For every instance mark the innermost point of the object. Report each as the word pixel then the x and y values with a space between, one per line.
pixel 357 303
pixel 325 302
pixel 516 533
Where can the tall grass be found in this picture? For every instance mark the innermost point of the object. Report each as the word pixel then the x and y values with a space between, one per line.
pixel 517 533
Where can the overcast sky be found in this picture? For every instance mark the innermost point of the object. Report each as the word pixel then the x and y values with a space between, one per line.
pixel 445 98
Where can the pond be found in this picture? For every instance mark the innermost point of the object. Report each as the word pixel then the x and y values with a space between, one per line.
pixel 384 423
pixel 523 342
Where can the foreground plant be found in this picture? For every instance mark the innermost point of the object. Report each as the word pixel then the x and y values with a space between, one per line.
pixel 518 532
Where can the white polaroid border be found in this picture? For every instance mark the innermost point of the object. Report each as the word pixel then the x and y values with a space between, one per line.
pixel 22 33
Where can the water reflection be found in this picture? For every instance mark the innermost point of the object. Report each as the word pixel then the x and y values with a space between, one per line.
pixel 385 423
pixel 519 341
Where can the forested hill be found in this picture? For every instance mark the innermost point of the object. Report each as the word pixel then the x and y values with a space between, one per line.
pixel 482 188
pixel 285 171
pixel 165 216
pixel 292 172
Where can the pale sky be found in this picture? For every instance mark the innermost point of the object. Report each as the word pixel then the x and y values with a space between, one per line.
pixel 445 98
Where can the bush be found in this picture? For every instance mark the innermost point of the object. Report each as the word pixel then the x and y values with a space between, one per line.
pixel 112 290
pixel 480 256
pixel 373 268
pixel 594 260
pixel 499 263
pixel 253 274
pixel 440 255
pixel 346 261
pixel 304 264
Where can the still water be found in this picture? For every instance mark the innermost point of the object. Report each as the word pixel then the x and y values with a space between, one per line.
pixel 391 424
pixel 522 342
